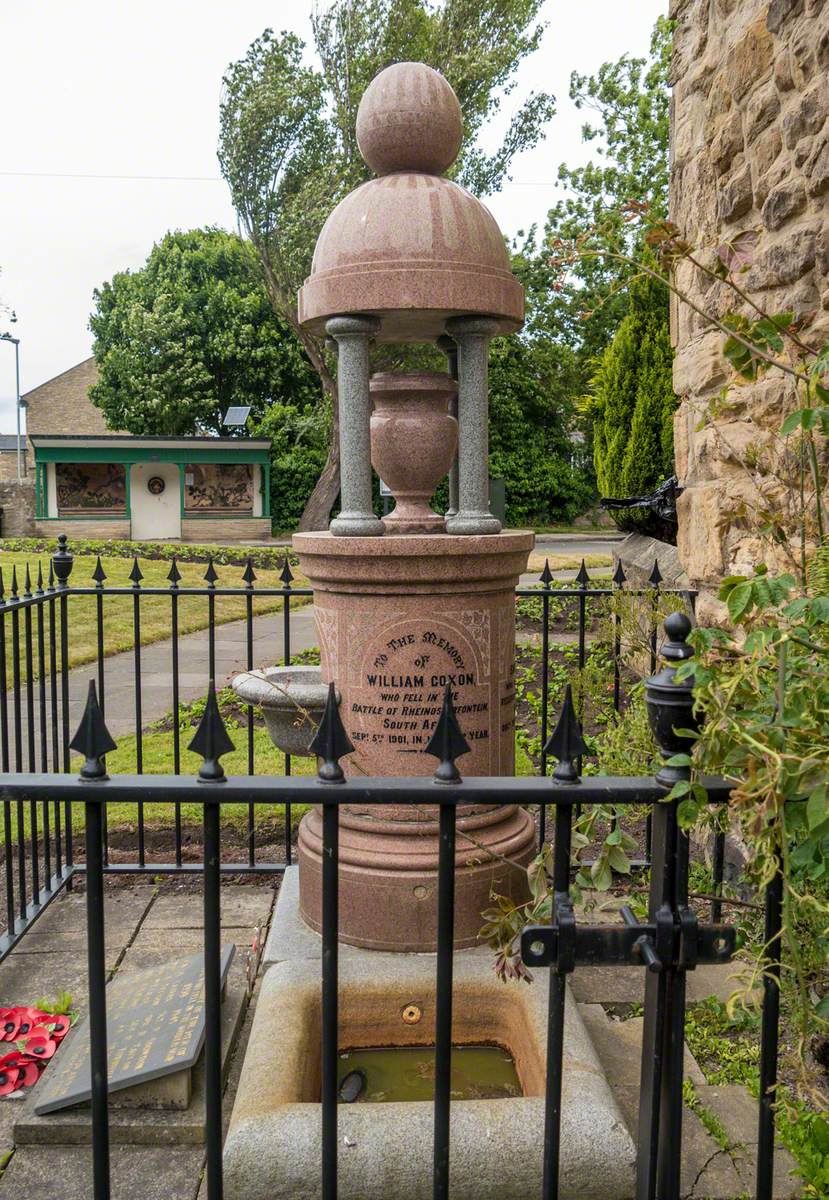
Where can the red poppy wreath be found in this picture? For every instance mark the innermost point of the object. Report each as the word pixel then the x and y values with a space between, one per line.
pixel 34 1035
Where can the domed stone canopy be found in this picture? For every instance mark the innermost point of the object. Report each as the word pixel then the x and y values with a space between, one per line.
pixel 410 248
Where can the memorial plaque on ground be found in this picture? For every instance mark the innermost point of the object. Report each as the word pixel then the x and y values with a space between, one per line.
pixel 155 1027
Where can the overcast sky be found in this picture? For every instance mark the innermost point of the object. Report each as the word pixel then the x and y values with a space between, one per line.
pixel 102 88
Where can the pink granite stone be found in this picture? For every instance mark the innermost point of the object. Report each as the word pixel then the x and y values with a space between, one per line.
pixel 409 119
pixel 399 618
pixel 414 439
pixel 411 248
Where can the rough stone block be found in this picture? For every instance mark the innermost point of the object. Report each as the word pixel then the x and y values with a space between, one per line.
pixel 735 198
pixel 783 203
pixel 817 169
pixel 786 261
pixel 700 549
pixel 762 108
pixel 750 59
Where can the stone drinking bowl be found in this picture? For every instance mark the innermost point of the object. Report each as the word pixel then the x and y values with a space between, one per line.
pixel 292 700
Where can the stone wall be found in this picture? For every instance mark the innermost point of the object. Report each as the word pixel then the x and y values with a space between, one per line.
pixel 225 529
pixel 82 530
pixel 750 150
pixel 8 463
pixel 17 501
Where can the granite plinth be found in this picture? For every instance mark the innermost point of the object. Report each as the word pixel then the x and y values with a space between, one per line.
pixel 272 1151
pixel 399 619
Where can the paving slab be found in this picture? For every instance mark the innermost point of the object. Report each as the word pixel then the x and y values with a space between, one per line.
pixel 619 1047
pixel 25 978
pixel 241 907
pixel 626 985
pixel 65 1173
pixel 154 946
pixel 124 906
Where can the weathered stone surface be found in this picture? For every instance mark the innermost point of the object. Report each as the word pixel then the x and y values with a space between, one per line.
pixel 759 110
pixel 783 203
pixel 750 58
pixel 727 142
pixel 781 11
pixel 817 169
pixel 735 199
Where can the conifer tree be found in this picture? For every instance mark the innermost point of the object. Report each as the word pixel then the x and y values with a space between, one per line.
pixel 632 399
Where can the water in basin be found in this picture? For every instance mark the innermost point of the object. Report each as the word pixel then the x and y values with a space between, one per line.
pixel 395 1073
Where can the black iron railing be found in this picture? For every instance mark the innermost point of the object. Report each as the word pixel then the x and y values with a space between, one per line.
pixel 669 944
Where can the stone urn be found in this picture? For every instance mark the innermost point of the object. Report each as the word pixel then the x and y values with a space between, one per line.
pixel 414 439
pixel 292 700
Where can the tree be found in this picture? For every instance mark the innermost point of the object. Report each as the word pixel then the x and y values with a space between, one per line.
pixel 530 447
pixel 631 100
pixel 287 145
pixel 632 401
pixel 189 334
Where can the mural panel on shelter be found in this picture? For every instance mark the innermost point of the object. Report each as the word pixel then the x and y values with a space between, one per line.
pixel 218 488
pixel 100 487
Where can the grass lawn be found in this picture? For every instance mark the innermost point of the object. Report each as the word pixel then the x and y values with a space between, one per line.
pixel 567 562
pixel 118 610
pixel 157 747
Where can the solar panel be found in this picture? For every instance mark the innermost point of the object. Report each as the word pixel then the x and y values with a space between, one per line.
pixel 237 415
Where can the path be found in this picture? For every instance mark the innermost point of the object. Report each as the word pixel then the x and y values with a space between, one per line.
pixel 156 674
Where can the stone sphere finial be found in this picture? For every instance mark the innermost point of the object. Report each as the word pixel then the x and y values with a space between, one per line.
pixel 409 119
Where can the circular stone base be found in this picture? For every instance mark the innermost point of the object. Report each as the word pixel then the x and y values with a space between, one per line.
pixel 388 880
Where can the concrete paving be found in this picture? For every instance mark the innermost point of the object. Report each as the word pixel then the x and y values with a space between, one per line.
pixel 156 676
pixel 145 925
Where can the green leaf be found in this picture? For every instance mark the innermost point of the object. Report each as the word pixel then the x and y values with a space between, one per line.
pixel 687 813
pixel 817 808
pixel 618 860
pixel 739 600
pixel 601 874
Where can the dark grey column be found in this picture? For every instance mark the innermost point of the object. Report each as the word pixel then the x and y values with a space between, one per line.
pixel 352 335
pixel 450 349
pixel 472 335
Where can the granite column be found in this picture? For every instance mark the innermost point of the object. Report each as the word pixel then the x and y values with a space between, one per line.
pixel 352 335
pixel 472 336
pixel 450 348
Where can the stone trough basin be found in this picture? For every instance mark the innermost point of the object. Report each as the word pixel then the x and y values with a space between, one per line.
pixel 273 1147
pixel 292 700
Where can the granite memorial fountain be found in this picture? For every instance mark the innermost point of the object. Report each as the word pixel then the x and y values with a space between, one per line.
pixel 404 607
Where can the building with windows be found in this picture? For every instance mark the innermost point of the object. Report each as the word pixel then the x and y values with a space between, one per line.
pixel 117 485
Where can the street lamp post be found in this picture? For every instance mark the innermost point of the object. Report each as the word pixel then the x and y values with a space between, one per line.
pixel 7 337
